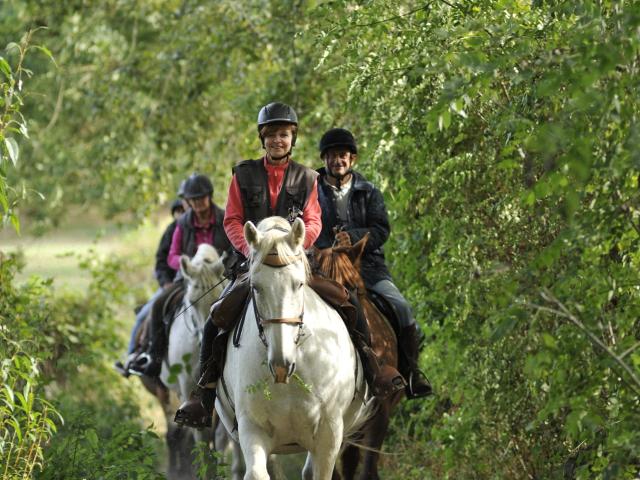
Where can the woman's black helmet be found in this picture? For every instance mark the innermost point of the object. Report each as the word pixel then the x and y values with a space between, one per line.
pixel 337 137
pixel 197 185
pixel 277 112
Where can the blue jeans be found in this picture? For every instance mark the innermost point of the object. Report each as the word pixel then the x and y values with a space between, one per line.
pixel 387 290
pixel 142 314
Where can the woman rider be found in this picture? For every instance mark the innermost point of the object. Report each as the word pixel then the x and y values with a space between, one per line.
pixel 271 185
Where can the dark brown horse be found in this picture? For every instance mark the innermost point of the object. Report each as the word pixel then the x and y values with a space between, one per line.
pixel 342 264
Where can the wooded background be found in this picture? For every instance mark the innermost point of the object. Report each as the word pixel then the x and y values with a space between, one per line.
pixel 504 135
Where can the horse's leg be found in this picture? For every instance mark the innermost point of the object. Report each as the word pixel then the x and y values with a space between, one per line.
pixel 222 442
pixel 350 459
pixel 324 456
pixel 172 447
pixel 256 446
pixel 237 462
pixel 307 470
pixel 376 431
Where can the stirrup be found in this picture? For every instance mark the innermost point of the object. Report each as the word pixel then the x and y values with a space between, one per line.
pixel 193 414
pixel 415 390
pixel 387 382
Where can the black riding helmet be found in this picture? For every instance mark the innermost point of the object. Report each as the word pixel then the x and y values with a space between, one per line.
pixel 197 185
pixel 176 205
pixel 277 112
pixel 337 137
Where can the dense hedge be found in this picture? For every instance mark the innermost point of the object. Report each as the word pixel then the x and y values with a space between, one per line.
pixel 63 412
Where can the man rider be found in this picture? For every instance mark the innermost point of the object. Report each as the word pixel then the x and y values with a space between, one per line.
pixel 352 207
pixel 271 185
pixel 202 223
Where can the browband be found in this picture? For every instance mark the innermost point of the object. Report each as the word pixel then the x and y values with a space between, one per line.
pixel 275 260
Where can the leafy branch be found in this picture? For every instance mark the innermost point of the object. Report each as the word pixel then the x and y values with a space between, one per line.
pixel 562 311
pixel 11 119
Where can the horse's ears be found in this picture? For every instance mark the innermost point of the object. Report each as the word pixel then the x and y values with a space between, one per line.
pixel 185 265
pixel 296 237
pixel 356 251
pixel 251 234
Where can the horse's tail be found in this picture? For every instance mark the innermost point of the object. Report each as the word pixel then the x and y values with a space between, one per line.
pixel 353 432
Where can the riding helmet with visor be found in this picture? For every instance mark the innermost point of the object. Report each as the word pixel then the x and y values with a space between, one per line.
pixel 337 137
pixel 277 112
pixel 197 185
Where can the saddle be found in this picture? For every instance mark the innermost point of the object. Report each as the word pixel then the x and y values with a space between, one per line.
pixel 386 309
pixel 170 307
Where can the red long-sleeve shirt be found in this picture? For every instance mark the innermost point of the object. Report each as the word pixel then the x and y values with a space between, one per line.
pixel 234 214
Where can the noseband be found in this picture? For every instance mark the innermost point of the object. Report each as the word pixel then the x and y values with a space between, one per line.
pixel 276 261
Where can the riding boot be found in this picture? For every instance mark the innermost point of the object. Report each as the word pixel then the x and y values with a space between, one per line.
pixel 418 384
pixel 149 363
pixel 197 411
pixel 382 379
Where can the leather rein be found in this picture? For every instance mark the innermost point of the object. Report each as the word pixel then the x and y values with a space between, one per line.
pixel 276 261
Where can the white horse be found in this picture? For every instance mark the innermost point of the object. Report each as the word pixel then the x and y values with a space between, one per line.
pixel 204 281
pixel 295 381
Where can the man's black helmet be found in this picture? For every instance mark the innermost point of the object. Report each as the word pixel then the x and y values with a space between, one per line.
pixel 337 137
pixel 180 192
pixel 197 185
pixel 276 112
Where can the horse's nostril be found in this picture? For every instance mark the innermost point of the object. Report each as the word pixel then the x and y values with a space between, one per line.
pixel 292 368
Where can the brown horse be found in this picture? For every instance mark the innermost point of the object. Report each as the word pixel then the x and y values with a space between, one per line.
pixel 342 264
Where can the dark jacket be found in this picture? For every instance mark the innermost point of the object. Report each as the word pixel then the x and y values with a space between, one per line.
pixel 366 213
pixel 297 186
pixel 220 241
pixel 163 272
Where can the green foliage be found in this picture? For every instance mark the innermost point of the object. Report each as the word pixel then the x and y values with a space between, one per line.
pixel 56 350
pixel 12 122
pixel 209 464
pixel 26 417
pixel 504 135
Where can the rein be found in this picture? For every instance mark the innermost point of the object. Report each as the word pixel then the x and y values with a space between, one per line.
pixel 224 277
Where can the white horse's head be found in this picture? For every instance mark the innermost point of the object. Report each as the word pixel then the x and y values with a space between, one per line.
pixel 279 272
pixel 201 274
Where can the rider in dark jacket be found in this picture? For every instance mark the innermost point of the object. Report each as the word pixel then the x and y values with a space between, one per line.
pixel 351 208
pixel 163 272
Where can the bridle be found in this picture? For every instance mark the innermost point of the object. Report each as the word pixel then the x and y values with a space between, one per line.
pixel 276 261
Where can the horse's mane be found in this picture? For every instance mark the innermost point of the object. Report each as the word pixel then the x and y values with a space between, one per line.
pixel 274 232
pixel 335 264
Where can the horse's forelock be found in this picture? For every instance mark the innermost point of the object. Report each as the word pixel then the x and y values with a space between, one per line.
pixel 275 241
